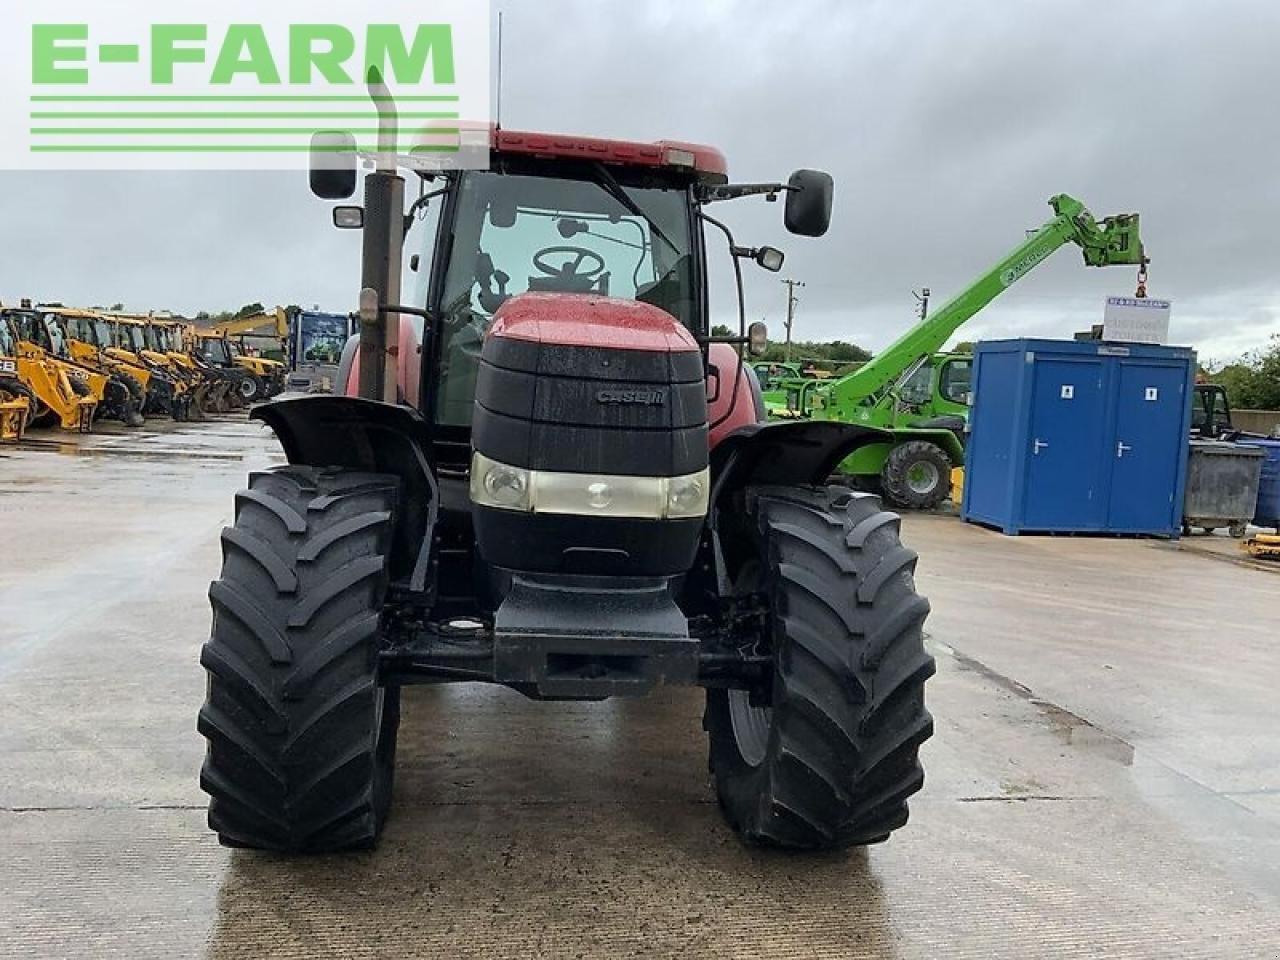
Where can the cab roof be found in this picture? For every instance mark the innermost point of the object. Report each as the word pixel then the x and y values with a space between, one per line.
pixel 704 161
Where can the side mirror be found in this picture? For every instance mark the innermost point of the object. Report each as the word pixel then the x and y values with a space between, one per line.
pixel 757 339
pixel 808 211
pixel 348 218
pixel 333 165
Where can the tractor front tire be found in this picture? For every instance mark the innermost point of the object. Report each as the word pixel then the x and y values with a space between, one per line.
pixel 828 756
pixel 301 736
pixel 916 475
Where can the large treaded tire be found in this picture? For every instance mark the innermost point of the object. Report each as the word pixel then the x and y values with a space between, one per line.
pixel 846 716
pixel 301 737
pixel 896 478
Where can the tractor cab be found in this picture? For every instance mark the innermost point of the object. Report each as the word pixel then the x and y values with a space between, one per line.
pixel 558 226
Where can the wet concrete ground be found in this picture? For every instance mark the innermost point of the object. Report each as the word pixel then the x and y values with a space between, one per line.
pixel 1105 778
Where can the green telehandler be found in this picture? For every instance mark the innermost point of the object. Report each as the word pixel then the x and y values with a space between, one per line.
pixel 922 396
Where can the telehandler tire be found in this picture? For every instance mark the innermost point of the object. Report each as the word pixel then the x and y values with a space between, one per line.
pixel 301 737
pixel 831 759
pixel 916 475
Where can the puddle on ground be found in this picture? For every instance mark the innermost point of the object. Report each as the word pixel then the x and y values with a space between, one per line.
pixel 1070 728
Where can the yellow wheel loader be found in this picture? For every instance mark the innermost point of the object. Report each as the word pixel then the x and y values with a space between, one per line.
pixel 56 394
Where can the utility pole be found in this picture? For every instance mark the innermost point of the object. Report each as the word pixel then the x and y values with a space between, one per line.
pixel 792 300
pixel 922 298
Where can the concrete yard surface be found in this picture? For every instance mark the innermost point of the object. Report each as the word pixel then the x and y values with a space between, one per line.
pixel 1104 780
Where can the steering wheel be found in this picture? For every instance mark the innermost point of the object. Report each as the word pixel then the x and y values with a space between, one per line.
pixel 570 269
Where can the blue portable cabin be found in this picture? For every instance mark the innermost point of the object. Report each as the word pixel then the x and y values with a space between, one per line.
pixel 1078 437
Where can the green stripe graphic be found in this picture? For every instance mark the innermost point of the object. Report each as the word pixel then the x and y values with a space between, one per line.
pixel 44 115
pixel 263 98
pixel 216 148
pixel 217 131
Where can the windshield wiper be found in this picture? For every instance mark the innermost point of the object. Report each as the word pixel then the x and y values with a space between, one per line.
pixel 605 180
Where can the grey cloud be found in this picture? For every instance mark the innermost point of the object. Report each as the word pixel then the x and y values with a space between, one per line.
pixel 946 125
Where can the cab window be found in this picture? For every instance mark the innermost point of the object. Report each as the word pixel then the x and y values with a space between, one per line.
pixel 956 381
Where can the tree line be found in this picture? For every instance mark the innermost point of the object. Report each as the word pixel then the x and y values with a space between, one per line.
pixel 1253 381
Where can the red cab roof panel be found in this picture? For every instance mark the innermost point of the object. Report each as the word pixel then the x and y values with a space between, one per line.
pixel 706 162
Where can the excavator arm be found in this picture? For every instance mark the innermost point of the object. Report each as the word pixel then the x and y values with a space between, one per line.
pixel 271 323
pixel 1111 241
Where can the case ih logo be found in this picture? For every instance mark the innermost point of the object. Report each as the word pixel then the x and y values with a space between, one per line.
pixel 643 398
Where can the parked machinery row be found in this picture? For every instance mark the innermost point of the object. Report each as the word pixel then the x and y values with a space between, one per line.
pixel 67 368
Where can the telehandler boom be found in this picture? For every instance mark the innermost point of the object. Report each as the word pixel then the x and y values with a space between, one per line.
pixel 922 396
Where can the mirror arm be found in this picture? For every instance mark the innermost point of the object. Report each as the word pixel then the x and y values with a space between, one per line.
pixel 421 204
pixel 713 193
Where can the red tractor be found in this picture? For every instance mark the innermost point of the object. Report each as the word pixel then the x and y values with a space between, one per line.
pixel 551 476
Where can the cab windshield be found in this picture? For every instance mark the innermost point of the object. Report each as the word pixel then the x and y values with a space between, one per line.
pixel 131 337
pixel 77 328
pixel 57 338
pixel 6 340
pixel 515 233
pixel 215 351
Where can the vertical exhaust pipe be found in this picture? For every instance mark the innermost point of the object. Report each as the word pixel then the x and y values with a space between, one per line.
pixel 383 249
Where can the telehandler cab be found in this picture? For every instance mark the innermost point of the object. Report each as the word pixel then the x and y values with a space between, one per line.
pixel 555 479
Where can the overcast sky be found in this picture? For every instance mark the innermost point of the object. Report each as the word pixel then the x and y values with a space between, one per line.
pixel 946 125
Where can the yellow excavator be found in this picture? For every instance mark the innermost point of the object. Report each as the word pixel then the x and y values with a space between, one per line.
pixel 213 390
pixel 86 337
pixel 15 396
pixel 129 343
pixel 120 395
pixel 219 345
pixel 56 392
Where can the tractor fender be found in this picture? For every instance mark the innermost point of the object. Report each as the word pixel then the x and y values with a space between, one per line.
pixel 351 433
pixel 785 453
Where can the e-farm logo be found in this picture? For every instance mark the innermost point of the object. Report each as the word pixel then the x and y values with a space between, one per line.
pixel 159 85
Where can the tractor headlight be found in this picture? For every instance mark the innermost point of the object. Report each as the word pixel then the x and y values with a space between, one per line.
pixel 499 485
pixel 687 496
